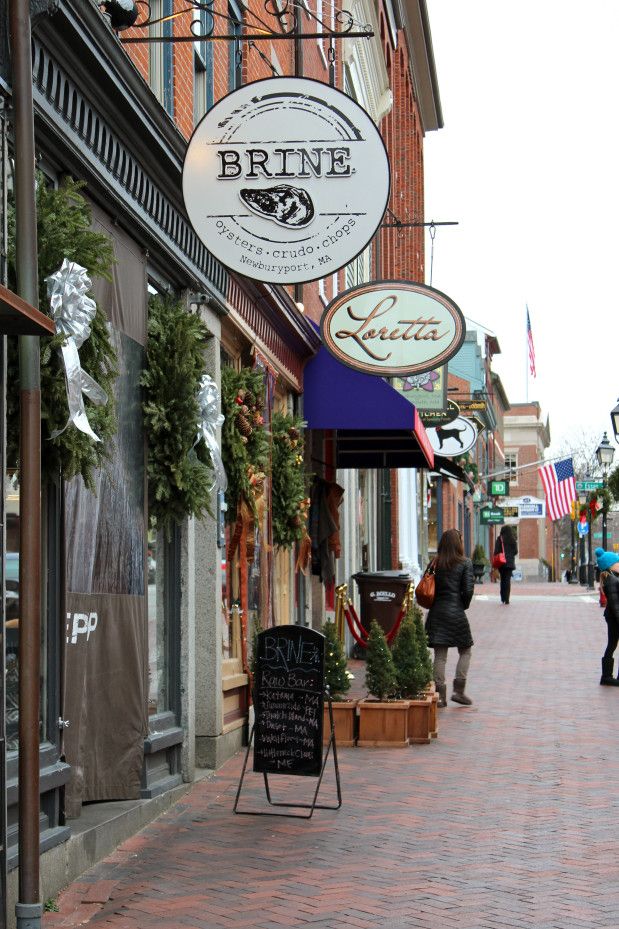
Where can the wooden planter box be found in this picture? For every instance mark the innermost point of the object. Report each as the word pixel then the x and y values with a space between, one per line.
pixel 432 692
pixel 419 720
pixel 344 722
pixel 383 725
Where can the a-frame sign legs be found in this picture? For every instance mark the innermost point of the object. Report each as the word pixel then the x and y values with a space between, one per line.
pixel 299 806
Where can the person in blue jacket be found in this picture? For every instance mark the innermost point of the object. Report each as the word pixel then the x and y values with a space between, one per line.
pixel 608 564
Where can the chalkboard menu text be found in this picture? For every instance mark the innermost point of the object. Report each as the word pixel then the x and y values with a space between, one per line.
pixel 289 698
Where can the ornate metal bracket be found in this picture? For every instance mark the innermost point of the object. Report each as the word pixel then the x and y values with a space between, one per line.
pixel 278 21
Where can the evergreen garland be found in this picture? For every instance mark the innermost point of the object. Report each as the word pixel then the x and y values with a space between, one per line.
pixel 613 484
pixel 288 488
pixel 380 674
pixel 337 675
pixel 180 476
pixel 63 231
pixel 245 440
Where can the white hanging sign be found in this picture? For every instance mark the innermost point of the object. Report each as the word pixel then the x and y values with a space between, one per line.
pixel 455 438
pixel 286 180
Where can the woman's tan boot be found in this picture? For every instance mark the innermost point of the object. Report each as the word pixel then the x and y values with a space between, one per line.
pixel 441 690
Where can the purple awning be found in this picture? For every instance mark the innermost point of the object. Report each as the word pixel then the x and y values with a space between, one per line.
pixel 376 426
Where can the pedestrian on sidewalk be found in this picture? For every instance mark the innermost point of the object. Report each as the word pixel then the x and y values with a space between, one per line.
pixel 506 543
pixel 608 564
pixel 446 622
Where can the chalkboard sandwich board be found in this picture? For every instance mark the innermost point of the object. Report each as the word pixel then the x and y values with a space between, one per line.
pixel 288 697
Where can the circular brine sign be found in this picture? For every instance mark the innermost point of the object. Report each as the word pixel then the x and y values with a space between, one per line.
pixel 286 180
pixel 393 328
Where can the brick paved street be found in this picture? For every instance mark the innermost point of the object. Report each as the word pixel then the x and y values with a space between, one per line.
pixel 507 820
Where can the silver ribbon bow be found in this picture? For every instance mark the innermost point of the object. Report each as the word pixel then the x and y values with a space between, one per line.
pixel 210 420
pixel 73 312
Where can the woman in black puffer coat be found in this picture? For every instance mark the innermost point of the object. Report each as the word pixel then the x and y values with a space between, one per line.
pixel 506 542
pixel 446 622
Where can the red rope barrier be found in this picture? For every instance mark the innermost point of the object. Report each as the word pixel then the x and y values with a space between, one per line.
pixel 353 612
pixel 357 638
pixel 393 632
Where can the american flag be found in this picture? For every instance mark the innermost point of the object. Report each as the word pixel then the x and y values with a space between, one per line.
pixel 559 487
pixel 531 346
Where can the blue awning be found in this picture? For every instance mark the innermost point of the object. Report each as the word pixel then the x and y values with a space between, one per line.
pixel 376 426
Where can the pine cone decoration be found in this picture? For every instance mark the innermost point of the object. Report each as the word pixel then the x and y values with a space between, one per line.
pixel 243 425
pixel 293 432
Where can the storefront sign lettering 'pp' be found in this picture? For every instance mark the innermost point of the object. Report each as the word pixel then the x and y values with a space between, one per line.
pixel 393 328
pixel 286 180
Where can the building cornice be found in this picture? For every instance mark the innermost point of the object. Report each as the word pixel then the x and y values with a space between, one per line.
pixel 416 26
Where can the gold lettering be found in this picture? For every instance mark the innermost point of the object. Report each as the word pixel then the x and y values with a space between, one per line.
pixel 416 329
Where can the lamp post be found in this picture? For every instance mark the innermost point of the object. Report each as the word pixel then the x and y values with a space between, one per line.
pixel 605 454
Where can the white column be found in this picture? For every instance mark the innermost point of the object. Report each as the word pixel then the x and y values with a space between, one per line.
pixel 408 530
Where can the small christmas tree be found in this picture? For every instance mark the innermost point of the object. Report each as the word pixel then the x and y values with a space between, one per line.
pixel 380 674
pixel 407 659
pixel 425 656
pixel 337 676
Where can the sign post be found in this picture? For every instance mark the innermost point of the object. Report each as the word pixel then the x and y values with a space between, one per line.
pixel 289 693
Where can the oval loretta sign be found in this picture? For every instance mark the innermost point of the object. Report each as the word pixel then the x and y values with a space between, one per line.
pixel 286 180
pixel 393 328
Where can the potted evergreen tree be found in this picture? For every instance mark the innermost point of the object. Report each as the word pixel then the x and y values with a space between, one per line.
pixel 480 561
pixel 413 677
pixel 383 720
pixel 337 679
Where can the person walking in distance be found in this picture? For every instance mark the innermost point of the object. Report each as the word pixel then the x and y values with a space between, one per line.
pixel 608 563
pixel 506 543
pixel 446 623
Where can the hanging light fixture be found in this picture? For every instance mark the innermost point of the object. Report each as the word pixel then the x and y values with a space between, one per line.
pixel 614 418
pixel 122 13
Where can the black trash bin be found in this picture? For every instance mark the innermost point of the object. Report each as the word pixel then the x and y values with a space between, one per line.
pixel 382 594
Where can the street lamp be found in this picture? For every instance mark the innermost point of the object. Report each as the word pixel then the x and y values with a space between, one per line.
pixel 605 454
pixel 614 418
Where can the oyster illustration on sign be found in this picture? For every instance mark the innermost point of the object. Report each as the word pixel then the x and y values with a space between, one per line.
pixel 285 205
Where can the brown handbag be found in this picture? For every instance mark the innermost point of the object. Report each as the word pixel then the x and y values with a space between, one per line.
pixel 424 592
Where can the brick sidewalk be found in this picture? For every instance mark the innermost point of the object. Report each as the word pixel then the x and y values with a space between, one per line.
pixel 504 821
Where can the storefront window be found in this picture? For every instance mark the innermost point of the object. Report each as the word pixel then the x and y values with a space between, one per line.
pixel 157 650
pixel 432 517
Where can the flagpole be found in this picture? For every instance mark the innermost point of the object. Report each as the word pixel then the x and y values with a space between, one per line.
pixel 526 353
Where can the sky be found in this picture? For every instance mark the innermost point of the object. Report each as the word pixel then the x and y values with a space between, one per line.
pixel 527 164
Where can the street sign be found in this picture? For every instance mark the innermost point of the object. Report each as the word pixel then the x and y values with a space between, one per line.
pixel 491 515
pixel 588 485
pixel 499 488
pixel 598 535
pixel 583 528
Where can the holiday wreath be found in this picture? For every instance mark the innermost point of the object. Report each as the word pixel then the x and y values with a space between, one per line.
pixel 289 492
pixel 180 476
pixel 244 440
pixel 64 232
